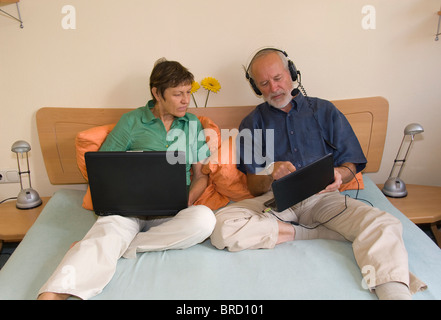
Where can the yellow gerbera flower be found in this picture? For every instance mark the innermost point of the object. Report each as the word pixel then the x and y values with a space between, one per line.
pixel 194 87
pixel 211 84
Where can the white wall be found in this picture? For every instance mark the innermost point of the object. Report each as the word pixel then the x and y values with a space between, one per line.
pixel 107 59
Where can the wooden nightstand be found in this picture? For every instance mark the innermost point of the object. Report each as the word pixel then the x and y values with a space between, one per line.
pixel 422 206
pixel 14 223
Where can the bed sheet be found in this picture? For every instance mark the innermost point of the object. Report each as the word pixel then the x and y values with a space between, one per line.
pixel 313 269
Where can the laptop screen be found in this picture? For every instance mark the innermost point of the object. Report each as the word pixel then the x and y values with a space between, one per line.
pixel 303 183
pixel 136 183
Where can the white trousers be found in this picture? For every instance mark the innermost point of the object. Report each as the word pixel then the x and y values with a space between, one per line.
pixel 94 259
pixel 376 235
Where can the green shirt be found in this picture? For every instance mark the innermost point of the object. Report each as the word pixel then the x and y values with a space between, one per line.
pixel 139 130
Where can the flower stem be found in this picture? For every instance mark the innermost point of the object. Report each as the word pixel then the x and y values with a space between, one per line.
pixel 194 100
pixel 206 100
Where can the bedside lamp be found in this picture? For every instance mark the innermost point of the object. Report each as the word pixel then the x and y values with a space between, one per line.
pixel 27 198
pixel 395 187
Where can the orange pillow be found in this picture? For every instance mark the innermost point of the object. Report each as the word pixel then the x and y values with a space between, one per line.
pixel 89 140
pixel 353 185
pixel 212 133
pixel 226 183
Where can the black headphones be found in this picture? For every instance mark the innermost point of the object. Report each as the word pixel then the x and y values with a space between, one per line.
pixel 291 67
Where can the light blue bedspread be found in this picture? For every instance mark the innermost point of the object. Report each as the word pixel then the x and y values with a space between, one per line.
pixel 313 269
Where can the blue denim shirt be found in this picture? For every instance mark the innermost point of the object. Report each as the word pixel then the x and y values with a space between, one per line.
pixel 311 129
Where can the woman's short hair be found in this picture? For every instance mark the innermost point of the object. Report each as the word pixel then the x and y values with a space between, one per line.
pixel 168 74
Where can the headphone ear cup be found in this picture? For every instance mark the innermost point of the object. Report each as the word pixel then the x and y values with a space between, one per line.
pixel 254 86
pixel 292 70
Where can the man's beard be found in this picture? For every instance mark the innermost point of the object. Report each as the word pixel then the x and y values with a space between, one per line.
pixel 280 103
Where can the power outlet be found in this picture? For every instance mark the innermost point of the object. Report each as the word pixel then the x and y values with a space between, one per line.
pixel 9 176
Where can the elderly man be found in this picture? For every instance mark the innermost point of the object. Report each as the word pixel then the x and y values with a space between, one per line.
pixel 304 130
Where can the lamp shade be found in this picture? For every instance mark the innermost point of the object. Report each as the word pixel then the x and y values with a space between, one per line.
pixel 20 146
pixel 413 128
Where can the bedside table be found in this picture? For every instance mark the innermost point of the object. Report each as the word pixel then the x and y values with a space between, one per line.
pixel 14 223
pixel 422 206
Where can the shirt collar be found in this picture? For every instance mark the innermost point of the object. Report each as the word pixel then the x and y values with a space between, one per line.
pixel 297 102
pixel 148 115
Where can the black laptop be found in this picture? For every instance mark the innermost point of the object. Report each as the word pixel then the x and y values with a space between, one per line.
pixel 137 183
pixel 302 183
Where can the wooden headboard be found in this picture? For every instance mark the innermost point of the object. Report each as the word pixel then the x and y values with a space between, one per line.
pixel 58 127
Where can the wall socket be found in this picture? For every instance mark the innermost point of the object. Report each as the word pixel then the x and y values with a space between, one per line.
pixel 9 176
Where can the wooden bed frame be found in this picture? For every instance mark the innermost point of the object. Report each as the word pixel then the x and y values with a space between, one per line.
pixel 58 127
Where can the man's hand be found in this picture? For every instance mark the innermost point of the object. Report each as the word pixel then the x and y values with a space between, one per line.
pixel 259 184
pixel 342 174
pixel 335 185
pixel 281 169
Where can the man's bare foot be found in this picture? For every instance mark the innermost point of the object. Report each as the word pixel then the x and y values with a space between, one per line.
pixel 53 296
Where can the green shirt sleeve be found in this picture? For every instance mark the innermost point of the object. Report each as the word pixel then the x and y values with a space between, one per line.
pixel 119 139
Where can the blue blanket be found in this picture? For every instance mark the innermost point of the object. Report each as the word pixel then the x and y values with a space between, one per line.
pixel 312 269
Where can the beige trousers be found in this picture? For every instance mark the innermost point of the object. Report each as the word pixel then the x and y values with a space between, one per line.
pixel 91 263
pixel 376 235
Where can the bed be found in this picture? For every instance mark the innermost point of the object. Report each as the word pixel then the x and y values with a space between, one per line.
pixel 313 269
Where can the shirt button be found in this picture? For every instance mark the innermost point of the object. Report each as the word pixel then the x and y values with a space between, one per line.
pixel 166 145
pixel 291 132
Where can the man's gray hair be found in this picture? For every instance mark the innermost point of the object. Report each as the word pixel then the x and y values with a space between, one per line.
pixel 264 52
